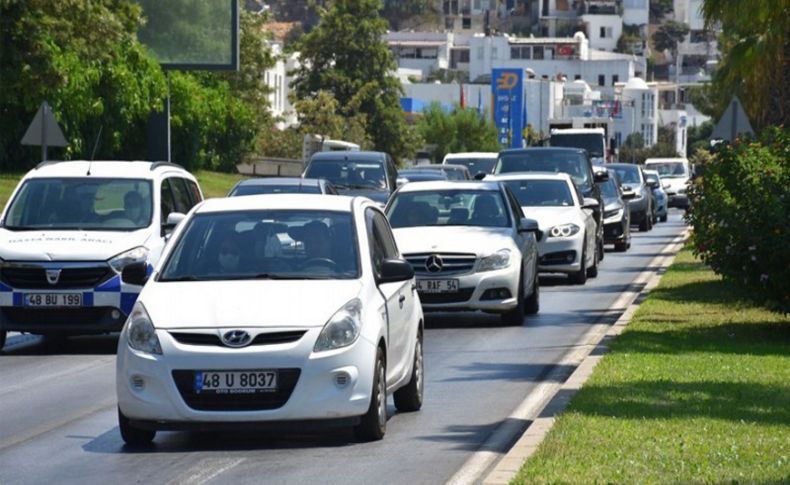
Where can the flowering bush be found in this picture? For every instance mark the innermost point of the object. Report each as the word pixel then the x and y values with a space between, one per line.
pixel 740 212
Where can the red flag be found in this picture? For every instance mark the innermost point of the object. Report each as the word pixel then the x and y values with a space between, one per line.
pixel 463 98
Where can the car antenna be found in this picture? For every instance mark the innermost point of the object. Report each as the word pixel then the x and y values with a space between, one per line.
pixel 95 146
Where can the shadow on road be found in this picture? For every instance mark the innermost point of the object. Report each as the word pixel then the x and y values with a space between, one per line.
pixel 470 436
pixel 519 372
pixel 84 345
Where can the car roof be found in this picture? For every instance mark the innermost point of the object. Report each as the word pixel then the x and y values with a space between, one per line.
pixel 347 155
pixel 576 131
pixel 438 166
pixel 666 160
pixel 278 181
pixel 544 149
pixel 104 168
pixel 449 185
pixel 531 176
pixel 337 203
pixel 450 156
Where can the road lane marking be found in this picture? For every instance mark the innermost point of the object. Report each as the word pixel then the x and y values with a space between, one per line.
pixel 202 473
pixel 495 447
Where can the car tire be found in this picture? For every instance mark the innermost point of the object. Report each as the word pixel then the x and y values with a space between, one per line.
pixel 601 251
pixel 592 271
pixel 373 424
pixel 132 435
pixel 580 277
pixel 3 334
pixel 644 224
pixel 664 218
pixel 621 246
pixel 409 398
pixel 516 315
pixel 532 305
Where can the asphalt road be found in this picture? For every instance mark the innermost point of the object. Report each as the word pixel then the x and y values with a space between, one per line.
pixel 58 414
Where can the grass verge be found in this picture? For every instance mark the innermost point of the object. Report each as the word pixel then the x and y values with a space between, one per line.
pixel 697 389
pixel 8 182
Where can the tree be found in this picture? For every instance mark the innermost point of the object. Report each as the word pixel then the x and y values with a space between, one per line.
pixel 659 9
pixel 346 56
pixel 323 115
pixel 669 35
pixel 755 47
pixel 461 130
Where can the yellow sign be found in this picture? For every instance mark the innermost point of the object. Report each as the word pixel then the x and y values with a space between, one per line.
pixel 507 80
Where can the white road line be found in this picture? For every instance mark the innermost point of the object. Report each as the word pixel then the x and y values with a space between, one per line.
pixel 473 470
pixel 204 472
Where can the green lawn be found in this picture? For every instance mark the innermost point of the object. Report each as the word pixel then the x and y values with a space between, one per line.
pixel 8 182
pixel 697 389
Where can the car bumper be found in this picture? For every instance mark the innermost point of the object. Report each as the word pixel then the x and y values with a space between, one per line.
pixel 561 255
pixel 614 232
pixel 324 386
pixel 472 288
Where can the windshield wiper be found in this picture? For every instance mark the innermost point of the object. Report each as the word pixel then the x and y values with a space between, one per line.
pixel 181 278
pixel 363 186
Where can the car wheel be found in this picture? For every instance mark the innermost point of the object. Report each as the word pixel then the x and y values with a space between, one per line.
pixel 580 277
pixel 600 250
pixel 650 224
pixel 532 305
pixel 621 246
pixel 592 271
pixel 3 334
pixel 664 218
pixel 516 315
pixel 409 397
pixel 373 423
pixel 644 224
pixel 132 435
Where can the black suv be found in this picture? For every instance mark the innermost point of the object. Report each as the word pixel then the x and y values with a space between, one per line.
pixel 369 174
pixel 573 161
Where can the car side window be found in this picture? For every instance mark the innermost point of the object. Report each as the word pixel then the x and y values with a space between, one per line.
pixel 385 234
pixel 518 214
pixel 377 250
pixel 182 199
pixel 166 201
pixel 194 192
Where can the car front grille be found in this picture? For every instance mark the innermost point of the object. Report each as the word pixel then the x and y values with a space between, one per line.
pixel 271 338
pixel 460 296
pixel 33 276
pixel 286 382
pixel 448 263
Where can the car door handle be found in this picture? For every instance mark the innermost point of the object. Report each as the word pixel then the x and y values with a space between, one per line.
pixel 414 287
pixel 401 298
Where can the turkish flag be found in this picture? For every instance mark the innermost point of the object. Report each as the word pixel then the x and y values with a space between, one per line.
pixel 463 98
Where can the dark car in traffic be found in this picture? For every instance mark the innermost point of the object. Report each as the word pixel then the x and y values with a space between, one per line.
pixel 573 161
pixel 282 185
pixel 632 180
pixel 616 214
pixel 453 172
pixel 411 175
pixel 369 174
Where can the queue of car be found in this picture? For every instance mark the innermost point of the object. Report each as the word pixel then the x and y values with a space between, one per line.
pixel 209 295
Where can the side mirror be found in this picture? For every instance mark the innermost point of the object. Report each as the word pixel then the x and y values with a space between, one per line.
pixel 590 203
pixel 652 185
pixel 629 194
pixel 395 270
pixel 480 175
pixel 528 225
pixel 173 219
pixel 601 176
pixel 135 274
pixel 400 181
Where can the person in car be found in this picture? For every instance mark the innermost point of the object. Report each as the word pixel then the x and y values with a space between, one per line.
pixel 486 212
pixel 133 207
pixel 317 241
pixel 229 256
pixel 265 242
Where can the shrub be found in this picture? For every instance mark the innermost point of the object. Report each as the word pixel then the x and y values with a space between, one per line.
pixel 740 212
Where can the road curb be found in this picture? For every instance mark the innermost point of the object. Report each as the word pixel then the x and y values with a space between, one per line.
pixel 507 468
pixel 551 397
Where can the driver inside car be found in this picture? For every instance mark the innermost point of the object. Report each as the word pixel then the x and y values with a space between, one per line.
pixel 317 241
pixel 133 207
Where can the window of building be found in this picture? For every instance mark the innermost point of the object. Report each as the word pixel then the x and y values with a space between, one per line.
pixel 494 53
pixel 427 53
pixel 466 23
pixel 476 5
pixel 449 23
pixel 480 53
pixel 464 56
pixel 606 33
pixel 515 52
pixel 548 53
pixel 647 134
pixel 408 53
pixel 601 80
pixel 537 52
pixel 615 79
pixel 576 77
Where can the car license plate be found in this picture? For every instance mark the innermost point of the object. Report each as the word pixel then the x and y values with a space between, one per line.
pixel 235 382
pixel 437 286
pixel 53 299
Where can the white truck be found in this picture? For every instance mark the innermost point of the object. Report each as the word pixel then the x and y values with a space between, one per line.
pixel 591 139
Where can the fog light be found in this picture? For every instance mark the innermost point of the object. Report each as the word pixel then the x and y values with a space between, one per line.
pixel 115 314
pixel 342 379
pixel 138 383
pixel 569 257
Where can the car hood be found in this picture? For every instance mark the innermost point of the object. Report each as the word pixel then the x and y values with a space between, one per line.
pixel 612 204
pixel 375 195
pixel 549 217
pixel 68 245
pixel 453 239
pixel 246 303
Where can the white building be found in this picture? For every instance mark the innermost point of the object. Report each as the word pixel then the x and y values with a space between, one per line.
pixel 471 15
pixel 279 82
pixel 603 31
pixel 636 12
pixel 697 54
pixel 678 121
pixel 639 103
pixel 426 51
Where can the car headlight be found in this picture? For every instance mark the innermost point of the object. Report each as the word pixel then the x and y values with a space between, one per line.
pixel 134 255
pixel 140 331
pixel 564 230
pixel 342 329
pixel 613 215
pixel 498 260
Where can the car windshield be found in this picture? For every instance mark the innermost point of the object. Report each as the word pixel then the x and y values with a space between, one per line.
pixel 422 175
pixel 573 164
pixel 592 142
pixel 265 244
pixel 627 174
pixel 81 203
pixel 475 165
pixel 669 169
pixel 349 174
pixel 609 189
pixel 450 173
pixel 275 189
pixel 541 193
pixel 484 208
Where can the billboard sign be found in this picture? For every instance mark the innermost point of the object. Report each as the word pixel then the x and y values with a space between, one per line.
pixel 507 94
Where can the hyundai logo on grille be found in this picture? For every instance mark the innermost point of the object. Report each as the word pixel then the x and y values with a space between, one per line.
pixel 53 276
pixel 236 338
pixel 434 263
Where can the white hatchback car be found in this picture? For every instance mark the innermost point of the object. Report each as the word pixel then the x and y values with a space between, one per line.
pixel 564 216
pixel 470 245
pixel 272 308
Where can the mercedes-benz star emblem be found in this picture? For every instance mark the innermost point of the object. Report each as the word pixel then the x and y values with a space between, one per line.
pixel 434 263
pixel 236 338
pixel 53 276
